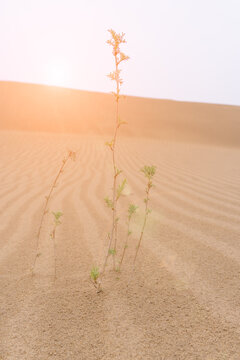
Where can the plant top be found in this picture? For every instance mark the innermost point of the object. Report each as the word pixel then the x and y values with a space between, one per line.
pixel 57 216
pixel 115 41
pixel 132 209
pixel 149 171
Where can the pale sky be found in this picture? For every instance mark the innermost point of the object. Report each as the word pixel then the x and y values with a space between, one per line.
pixel 179 49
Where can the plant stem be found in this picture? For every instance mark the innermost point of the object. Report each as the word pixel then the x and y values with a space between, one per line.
pixel 144 221
pixel 54 245
pixel 104 266
pixel 113 236
pixel 126 242
pixel 114 223
pixel 64 161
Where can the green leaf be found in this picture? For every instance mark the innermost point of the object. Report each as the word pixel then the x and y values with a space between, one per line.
pixel 110 144
pixel 117 172
pixel 121 188
pixel 121 122
pixel 108 202
pixel 57 214
pixel 94 273
pixel 132 209
pixel 149 171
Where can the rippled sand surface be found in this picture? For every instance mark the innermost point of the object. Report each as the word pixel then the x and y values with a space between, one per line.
pixel 183 301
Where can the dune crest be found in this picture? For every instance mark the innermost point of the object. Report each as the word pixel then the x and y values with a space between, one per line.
pixel 53 109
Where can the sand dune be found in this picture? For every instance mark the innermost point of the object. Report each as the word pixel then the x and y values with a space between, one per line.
pixel 53 109
pixel 184 299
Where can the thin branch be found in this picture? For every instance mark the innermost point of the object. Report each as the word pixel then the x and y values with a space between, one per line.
pixel 70 155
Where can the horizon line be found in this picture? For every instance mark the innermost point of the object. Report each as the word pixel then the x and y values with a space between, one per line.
pixel 127 95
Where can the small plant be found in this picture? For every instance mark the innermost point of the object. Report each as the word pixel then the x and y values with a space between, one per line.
pixel 57 222
pixel 118 186
pixel 115 41
pixel 71 155
pixel 149 172
pixel 94 274
pixel 131 211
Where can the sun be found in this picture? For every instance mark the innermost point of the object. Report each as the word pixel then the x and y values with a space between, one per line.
pixel 57 73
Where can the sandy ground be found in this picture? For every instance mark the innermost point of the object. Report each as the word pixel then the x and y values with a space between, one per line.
pixel 182 302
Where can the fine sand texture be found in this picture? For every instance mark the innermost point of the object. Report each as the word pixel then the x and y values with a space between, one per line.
pixel 183 299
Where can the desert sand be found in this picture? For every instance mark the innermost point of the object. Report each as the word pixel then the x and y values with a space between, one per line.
pixel 183 300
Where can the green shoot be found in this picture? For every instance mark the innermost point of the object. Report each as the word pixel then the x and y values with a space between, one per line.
pixel 112 251
pixel 120 189
pixel 108 202
pixel 94 274
pixel 149 172
pixel 131 211
pixel 57 216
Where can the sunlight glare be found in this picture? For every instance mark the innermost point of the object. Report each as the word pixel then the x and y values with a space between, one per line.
pixel 57 73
